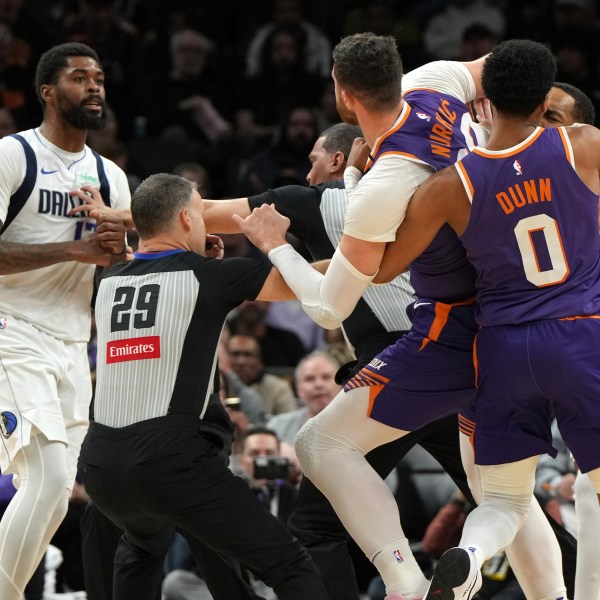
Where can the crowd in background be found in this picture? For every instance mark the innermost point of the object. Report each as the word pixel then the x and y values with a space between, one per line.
pixel 242 87
pixel 233 95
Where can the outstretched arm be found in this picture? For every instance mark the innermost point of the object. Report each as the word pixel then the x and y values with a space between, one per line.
pixel 218 214
pixel 327 299
pixel 104 247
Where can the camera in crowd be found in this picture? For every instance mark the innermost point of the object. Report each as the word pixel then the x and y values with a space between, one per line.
pixel 271 467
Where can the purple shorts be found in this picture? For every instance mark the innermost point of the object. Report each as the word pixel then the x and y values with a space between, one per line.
pixel 526 375
pixel 427 374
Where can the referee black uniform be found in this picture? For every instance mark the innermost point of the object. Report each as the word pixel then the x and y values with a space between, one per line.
pixel 151 459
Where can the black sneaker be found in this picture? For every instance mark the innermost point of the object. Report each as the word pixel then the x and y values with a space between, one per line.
pixel 456 576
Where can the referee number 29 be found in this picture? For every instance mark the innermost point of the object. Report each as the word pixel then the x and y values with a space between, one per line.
pixel 139 303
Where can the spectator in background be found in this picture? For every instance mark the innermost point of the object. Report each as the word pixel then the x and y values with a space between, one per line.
pixel 274 490
pixel 315 49
pixel 282 82
pixel 316 388
pixel 98 24
pixel 190 93
pixel 283 161
pixel 576 64
pixel 443 34
pixel 389 17
pixel 290 316
pixel 247 364
pixel 477 41
pixel 326 112
pixel 16 74
pixel 107 142
pixel 279 347
pixel 7 123
pixel 198 174
pixel 237 397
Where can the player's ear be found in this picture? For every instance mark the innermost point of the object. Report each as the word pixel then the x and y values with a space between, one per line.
pixel 46 92
pixel 348 98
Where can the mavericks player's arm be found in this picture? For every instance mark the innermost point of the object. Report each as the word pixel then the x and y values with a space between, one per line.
pixel 441 199
pixel 16 257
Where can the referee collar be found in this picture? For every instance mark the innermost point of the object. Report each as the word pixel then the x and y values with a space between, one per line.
pixel 153 255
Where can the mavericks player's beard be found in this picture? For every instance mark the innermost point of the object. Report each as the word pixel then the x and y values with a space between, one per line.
pixel 82 118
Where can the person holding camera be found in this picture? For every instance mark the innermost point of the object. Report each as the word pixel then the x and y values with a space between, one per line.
pixel 260 462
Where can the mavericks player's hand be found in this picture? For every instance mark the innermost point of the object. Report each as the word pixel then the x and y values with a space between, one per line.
pixel 91 201
pixel 265 227
pixel 111 231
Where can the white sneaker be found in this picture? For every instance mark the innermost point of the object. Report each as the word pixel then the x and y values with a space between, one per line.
pixel 456 576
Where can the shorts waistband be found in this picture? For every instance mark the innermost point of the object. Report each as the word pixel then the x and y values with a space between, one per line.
pixel 170 421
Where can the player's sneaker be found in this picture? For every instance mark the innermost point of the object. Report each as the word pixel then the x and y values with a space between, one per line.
pixel 398 597
pixel 456 576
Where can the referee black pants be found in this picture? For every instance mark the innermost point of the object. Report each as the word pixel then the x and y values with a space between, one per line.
pixel 162 474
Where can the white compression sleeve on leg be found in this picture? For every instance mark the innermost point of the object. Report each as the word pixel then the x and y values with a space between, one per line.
pixel 327 299
pixel 34 513
pixel 331 448
pixel 507 492
pixel 534 554
pixel 587 510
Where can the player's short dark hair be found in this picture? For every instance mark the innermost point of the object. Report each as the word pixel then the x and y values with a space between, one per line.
pixel 157 200
pixel 55 59
pixel 517 76
pixel 369 66
pixel 583 110
pixel 339 138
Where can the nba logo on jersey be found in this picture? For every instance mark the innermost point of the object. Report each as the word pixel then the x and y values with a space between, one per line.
pixel 3 322
pixel 424 116
pixel 518 168
pixel 398 556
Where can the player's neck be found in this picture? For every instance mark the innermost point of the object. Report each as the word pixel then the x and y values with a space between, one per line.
pixel 507 133
pixel 374 124
pixel 63 135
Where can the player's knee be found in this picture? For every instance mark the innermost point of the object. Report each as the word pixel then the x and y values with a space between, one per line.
pixel 515 507
pixel 305 447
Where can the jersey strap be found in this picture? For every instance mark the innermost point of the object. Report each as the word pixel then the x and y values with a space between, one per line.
pixel 19 198
pixel 104 185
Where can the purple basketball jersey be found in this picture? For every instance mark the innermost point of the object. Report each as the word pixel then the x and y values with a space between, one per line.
pixel 533 232
pixel 435 131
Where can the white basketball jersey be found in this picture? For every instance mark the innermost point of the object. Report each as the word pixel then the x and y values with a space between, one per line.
pixel 56 298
